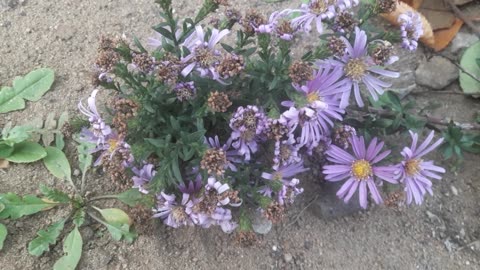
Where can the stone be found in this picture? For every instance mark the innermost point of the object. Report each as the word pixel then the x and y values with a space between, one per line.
pixel 454 190
pixel 261 224
pixel 462 40
pixel 287 257
pixel 437 73
pixel 407 61
pixel 329 206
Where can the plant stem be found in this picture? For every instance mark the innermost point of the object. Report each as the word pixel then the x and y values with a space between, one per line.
pixel 430 119
pixel 103 197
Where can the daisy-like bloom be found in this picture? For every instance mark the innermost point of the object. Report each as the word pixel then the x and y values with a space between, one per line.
pixel 114 145
pixel 285 176
pixel 185 91
pixel 231 155
pixel 411 28
pixel 305 117
pixel 289 192
pixel 415 172
pixel 203 56
pixel 143 176
pixel 318 11
pixel 173 214
pixel 280 25
pixel 359 169
pixel 100 129
pixel 247 125
pixel 286 152
pixel 359 67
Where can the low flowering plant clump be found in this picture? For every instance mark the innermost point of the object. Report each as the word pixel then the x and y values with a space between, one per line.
pixel 219 119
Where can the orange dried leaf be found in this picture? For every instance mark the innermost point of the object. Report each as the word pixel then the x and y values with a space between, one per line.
pixel 427 38
pixel 443 37
pixel 413 3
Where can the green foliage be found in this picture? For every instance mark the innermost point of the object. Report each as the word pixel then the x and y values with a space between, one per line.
pixel 79 217
pixel 469 62
pixel 31 87
pixel 72 247
pixel 50 129
pixel 17 207
pixel 3 234
pixel 54 194
pixel 134 197
pixel 457 141
pixel 118 224
pixel 46 238
pixel 57 163
pixel 26 152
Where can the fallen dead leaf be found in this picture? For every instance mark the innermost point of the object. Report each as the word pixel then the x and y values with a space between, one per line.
pixel 438 19
pixel 427 38
pixel 4 164
pixel 443 37
pixel 413 3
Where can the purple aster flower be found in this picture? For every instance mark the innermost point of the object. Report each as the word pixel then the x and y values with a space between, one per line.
pixel 415 172
pixel 311 126
pixel 114 145
pixel 173 214
pixel 232 155
pixel 100 130
pixel 185 91
pixel 359 169
pixel 286 152
pixel 285 175
pixel 247 125
pixel 280 25
pixel 411 28
pixel 193 186
pixel 358 67
pixel 143 176
pixel 288 192
pixel 203 56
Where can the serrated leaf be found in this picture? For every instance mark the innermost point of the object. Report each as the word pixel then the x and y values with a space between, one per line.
pixel 54 194
pixel 79 217
pixel 36 123
pixel 45 238
pixel 121 230
pixel 57 163
pixel 72 247
pixel 3 234
pixel 85 157
pixel 17 134
pixel 114 216
pixel 469 63
pixel 17 207
pixel 26 152
pixel 31 87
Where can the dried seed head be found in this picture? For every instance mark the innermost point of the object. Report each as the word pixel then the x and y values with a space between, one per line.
pixel 252 20
pixel 275 212
pixel 276 130
pixel 337 46
pixel 107 44
pixel 143 62
pixel 344 22
pixel 342 134
pixel 233 15
pixel 386 6
pixel 124 110
pixel 185 91
pixel 230 66
pixel 218 102
pixel 106 60
pixel 214 161
pixel 395 199
pixel 382 53
pixel 246 238
pixel 300 72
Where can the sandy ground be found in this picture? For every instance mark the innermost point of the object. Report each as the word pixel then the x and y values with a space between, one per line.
pixel 63 35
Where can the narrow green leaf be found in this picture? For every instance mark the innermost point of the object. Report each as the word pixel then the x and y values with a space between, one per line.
pixel 79 217
pixel 16 207
pixel 3 234
pixel 84 156
pixel 114 216
pixel 31 87
pixel 72 247
pixel 57 163
pixel 54 194
pixel 45 238
pixel 26 152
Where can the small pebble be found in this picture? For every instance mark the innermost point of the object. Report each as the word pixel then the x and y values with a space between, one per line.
pixel 274 248
pixel 76 172
pixel 454 190
pixel 288 257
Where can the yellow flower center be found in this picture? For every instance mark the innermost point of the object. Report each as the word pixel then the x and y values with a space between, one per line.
pixel 320 6
pixel 312 97
pixel 277 176
pixel 113 143
pixel 361 169
pixel 412 166
pixel 178 214
pixel 355 69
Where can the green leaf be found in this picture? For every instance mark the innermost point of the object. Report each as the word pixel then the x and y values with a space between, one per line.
pixel 72 247
pixel 49 125
pixel 57 163
pixel 45 238
pixel 31 87
pixel 3 234
pixel 114 216
pixel 85 156
pixel 79 217
pixel 26 152
pixel 17 134
pixel 54 194
pixel 17 207
pixel 132 197
pixel 2 206
pixel 469 63
pixel 118 231
pixel 5 150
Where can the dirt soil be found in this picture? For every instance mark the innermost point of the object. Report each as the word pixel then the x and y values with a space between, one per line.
pixel 64 35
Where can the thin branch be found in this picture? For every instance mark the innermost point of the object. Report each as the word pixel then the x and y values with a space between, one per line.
pixel 430 119
pixel 103 197
pixel 462 17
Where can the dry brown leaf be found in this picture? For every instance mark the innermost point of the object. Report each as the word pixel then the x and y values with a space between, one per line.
pixel 413 3
pixel 438 19
pixel 4 164
pixel 427 38
pixel 443 37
